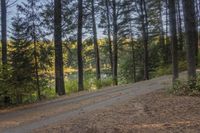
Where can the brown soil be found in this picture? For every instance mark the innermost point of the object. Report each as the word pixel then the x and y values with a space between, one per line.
pixel 156 112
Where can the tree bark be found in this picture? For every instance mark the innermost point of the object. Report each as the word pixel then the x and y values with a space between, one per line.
pixel 4 31
pixel 96 47
pixel 173 33
pixel 144 20
pixel 133 53
pixel 115 45
pixel 59 76
pixel 36 67
pixel 167 49
pixel 191 36
pixel 162 39
pixel 79 46
pixel 180 27
pixel 133 58
pixel 109 34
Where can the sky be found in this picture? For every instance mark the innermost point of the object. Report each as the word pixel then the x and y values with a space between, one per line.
pixel 12 12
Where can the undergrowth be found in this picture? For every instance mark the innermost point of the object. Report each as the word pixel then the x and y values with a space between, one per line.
pixel 186 88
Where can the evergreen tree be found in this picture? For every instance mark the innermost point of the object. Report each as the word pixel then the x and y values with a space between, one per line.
pixel 105 24
pixel 191 36
pixel 79 45
pixel 173 32
pixel 4 31
pixel 59 76
pixel 30 12
pixel 21 60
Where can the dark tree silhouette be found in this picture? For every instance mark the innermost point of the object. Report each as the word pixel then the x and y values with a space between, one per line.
pixel 191 36
pixel 59 77
pixel 4 31
pixel 115 44
pixel 95 40
pixel 173 33
pixel 79 45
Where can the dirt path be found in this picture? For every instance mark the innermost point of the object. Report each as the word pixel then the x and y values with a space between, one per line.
pixel 155 112
pixel 29 118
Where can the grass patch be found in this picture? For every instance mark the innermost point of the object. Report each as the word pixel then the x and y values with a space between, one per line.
pixel 71 86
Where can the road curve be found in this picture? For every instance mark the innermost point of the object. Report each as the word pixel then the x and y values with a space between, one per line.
pixel 27 119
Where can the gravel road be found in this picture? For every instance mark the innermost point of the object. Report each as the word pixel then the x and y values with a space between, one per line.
pixel 31 117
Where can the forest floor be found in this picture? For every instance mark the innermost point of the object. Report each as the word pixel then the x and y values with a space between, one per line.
pixel 142 107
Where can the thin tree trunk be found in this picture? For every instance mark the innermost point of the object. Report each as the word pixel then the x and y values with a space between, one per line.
pixel 146 51
pixel 145 37
pixel 109 34
pixel 191 36
pixel 4 31
pixel 133 59
pixel 79 46
pixel 36 68
pixel 197 3
pixel 173 33
pixel 59 76
pixel 180 27
pixel 162 39
pixel 115 45
pixel 133 53
pixel 96 47
pixel 167 49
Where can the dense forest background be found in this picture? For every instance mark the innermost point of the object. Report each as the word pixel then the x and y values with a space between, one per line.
pixel 63 46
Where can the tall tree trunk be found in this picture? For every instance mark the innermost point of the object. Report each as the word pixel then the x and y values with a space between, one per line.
pixel 173 33
pixel 79 45
pixel 162 39
pixel 35 54
pixel 109 34
pixel 191 36
pixel 145 37
pixel 197 7
pixel 115 45
pixel 96 47
pixel 4 31
pixel 133 53
pixel 198 23
pixel 180 27
pixel 36 68
pixel 167 49
pixel 133 59
pixel 59 76
pixel 146 51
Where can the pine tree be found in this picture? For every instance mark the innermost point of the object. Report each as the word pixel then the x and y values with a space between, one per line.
pixel 191 36
pixel 30 12
pixel 4 31
pixel 21 60
pixel 172 16
pixel 60 89
pixel 79 45
pixel 95 39
pixel 106 24
pixel 90 15
pixel 115 42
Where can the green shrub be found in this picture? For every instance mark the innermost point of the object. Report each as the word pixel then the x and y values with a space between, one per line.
pixel 162 70
pixel 167 69
pixel 186 88
pixel 106 82
pixel 71 86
